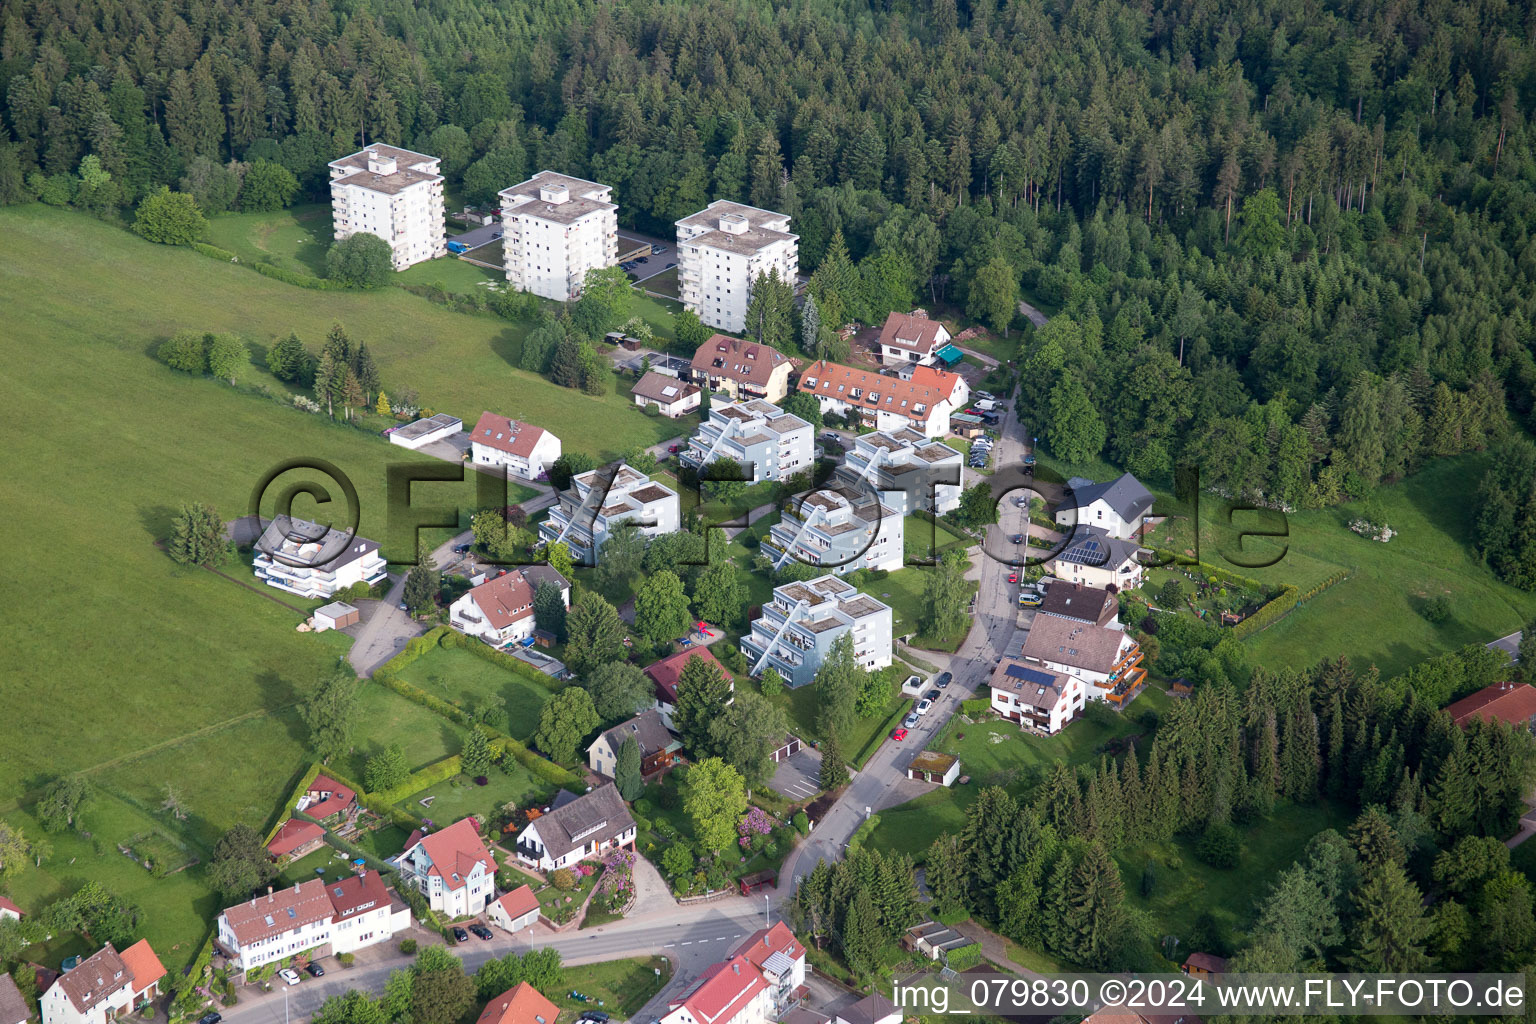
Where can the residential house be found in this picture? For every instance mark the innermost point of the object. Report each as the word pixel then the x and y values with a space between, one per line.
pixel 365 911
pixel 451 867
pixel 419 433
pixel 13 1005
pixel 721 251
pixel 1096 558
pixel 588 826
pixel 326 798
pixel 513 911
pixel 394 194
pixel 315 561
pixel 932 766
pixel 1041 700
pixel 295 838
pixel 781 958
pixel 671 397
pixel 872 1009
pixel 600 499
pixel 910 338
pixel 1108 661
pixel 909 471
pixel 1119 508
pixel 500 610
pixel 839 527
pixel 520 1004
pixel 1081 604
pixel 104 986
pixel 278 925
pixel 10 910
pixel 521 449
pixel 665 673
pixel 555 228
pixel 1204 965
pixel 768 443
pixel 1510 702
pixel 923 403
pixel 742 369
pixel 734 992
pixel 650 734
pixel 797 628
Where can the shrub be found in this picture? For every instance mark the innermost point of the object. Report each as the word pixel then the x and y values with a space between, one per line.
pixel 1437 609
pixel 186 351
pixel 214 252
pixel 802 823
pixel 1220 846
pixel 408 947
pixel 360 261
pixel 563 879
pixel 170 218
pixel 345 959
pixel 643 807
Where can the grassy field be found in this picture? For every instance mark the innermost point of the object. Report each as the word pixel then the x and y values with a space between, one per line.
pixel 618 987
pixel 66 269
pixel 926 540
pixel 903 591
pixel 385 717
pixel 459 796
pixel 295 239
pixel 1373 616
pixel 462 679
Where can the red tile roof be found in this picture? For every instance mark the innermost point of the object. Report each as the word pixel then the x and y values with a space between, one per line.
pixel 6 904
pixel 914 333
pixel 746 362
pixel 455 851
pixel 521 1004
pixel 293 834
pixel 279 912
pixel 666 672
pixel 332 795
pixel 357 894
pixel 518 902
pixel 724 991
pixel 927 388
pixel 506 435
pixel 1514 703
pixel 765 942
pixel 1208 962
pixel 505 599
pixel 143 964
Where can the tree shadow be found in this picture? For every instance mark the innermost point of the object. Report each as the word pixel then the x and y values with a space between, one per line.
pixel 156 520
pixel 508 344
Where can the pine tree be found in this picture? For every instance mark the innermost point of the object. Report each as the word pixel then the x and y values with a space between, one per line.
pixel 565 368
pixel 1374 840
pixel 339 347
pixel 197 535
pixel 475 758
pixel 351 393
pixel 810 327
pixel 627 773
pixel 1096 910
pixel 860 937
pixel 367 373
pixel 945 874
pixel 1338 773
pixel 328 378
pixel 1390 925
pixel 1264 768
pixel 834 770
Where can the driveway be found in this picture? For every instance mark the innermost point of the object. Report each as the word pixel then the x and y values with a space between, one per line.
pixel 798 777
pixel 474 238
pixel 385 632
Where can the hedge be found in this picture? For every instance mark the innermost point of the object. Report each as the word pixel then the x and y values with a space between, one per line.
pixel 286 810
pixel 862 833
pixel 431 775
pixel 881 733
pixel 1173 560
pixel 506 661
pixel 1268 615
pixel 302 280
pixel 964 958
pixel 214 252
pixel 976 706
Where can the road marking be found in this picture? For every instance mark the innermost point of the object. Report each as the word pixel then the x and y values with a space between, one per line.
pixel 688 943
pixel 669 945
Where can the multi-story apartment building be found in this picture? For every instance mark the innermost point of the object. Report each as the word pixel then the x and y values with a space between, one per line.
pixel 769 443
pixel 908 470
pixel 1039 699
pixel 312 560
pixel 395 194
pixel 722 249
pixel 598 500
pixel 796 630
pixel 742 369
pixel 840 527
pixel 451 868
pixel 325 917
pixel 1107 660
pixel 555 228
pixel 921 400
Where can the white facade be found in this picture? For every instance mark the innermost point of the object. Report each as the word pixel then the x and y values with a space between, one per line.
pixel 555 228
pixel 392 193
pixel 840 527
pixel 327 917
pixel 515 910
pixel 797 628
pixel 908 470
pixel 451 868
pixel 921 400
pixel 769 443
pixel 314 561
pixel 722 249
pixel 379 924
pixel 600 499
pixel 500 610
pixel 521 449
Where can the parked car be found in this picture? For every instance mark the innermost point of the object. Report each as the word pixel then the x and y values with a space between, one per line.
pixel 932 695
pixel 1029 460
pixel 656 250
pixel 460 934
pixel 1018 538
pixel 898 734
pixel 910 721
pixel 1029 599
pixel 210 1018
pixel 289 975
pixel 1013 577
pixel 314 970
pixel 597 1015
pixel 945 678
pixel 462 549
pixel 643 259
pixel 457 247
pixel 480 931
pixel 673 449
pixel 923 706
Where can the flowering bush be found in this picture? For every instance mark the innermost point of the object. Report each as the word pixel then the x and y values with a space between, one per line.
pixel 756 823
pixel 617 888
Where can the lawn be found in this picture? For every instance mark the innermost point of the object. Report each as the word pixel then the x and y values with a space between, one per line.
pixel 463 678
pixel 385 717
pixel 903 591
pixel 295 239
pixel 1372 617
pixel 618 987
pixel 455 275
pixel 457 797
pixel 926 540
pixel 664 283
pixel 801 705
pixel 63 275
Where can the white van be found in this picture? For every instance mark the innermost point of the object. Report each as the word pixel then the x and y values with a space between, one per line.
pixel 986 405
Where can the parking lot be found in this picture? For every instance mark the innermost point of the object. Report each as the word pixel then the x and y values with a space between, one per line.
pixel 797 777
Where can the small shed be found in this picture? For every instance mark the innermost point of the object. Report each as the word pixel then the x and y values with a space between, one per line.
pixel 789 748
pixel 1204 964
pixel 424 431
pixel 543 638
pixel 913 686
pixel 758 880
pixel 336 615
pixel 932 766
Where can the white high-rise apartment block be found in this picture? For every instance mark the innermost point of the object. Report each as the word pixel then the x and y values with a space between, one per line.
pixel 392 193
pixel 555 228
pixel 722 249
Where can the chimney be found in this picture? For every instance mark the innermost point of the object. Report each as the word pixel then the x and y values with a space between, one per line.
pixel 269 890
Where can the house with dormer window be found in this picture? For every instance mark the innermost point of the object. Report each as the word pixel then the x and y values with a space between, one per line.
pixel 105 986
pixel 450 867
pixel 576 828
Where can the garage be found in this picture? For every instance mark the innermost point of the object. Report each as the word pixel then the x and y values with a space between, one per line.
pixel 790 748
pixel 336 615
